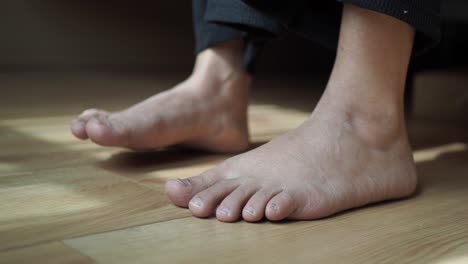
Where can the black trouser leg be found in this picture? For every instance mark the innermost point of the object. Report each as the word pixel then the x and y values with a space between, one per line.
pixel 208 34
pixel 320 20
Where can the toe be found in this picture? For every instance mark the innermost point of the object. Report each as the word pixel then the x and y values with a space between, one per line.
pixel 98 131
pixel 78 125
pixel 87 114
pixel 254 210
pixel 78 128
pixel 231 207
pixel 101 131
pixel 205 202
pixel 280 207
pixel 180 191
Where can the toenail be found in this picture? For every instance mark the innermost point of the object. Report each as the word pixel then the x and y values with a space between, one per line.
pixel 196 202
pixel 224 211
pixel 274 207
pixel 250 211
pixel 184 182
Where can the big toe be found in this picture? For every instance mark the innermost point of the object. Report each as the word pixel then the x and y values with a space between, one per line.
pixel 78 125
pixel 181 191
pixel 78 128
pixel 103 132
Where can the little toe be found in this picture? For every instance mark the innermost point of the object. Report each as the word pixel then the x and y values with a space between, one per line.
pixel 254 210
pixel 180 191
pixel 204 203
pixel 231 208
pixel 279 207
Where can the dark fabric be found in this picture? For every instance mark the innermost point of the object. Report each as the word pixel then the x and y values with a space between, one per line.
pixel 320 20
pixel 208 34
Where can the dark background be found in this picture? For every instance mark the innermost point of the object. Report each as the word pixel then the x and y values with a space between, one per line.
pixel 153 35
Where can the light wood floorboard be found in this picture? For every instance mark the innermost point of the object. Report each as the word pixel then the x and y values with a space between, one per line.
pixel 50 253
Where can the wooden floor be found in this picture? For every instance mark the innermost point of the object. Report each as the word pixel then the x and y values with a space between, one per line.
pixel 66 201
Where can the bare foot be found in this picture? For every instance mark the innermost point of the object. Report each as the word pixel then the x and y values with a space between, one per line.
pixel 207 111
pixel 327 165
pixel 352 151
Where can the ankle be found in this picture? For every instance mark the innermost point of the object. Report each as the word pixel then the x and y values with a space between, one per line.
pixel 379 126
pixel 214 76
pixel 374 106
pixel 378 129
pixel 221 62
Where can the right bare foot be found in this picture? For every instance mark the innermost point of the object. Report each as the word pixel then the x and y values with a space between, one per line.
pixel 207 111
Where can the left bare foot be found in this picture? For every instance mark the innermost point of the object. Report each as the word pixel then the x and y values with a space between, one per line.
pixel 207 111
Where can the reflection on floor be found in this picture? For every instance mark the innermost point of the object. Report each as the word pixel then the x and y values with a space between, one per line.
pixel 66 201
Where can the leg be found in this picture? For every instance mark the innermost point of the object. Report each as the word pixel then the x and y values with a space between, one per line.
pixel 352 151
pixel 206 111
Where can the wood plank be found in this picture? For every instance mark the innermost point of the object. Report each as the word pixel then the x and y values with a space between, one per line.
pixel 31 144
pixel 67 202
pixel 431 227
pixel 51 253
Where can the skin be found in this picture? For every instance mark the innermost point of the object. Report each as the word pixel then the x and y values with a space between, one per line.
pixel 352 151
pixel 207 111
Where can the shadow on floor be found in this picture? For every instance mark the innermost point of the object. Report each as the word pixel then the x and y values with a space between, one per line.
pixel 144 162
